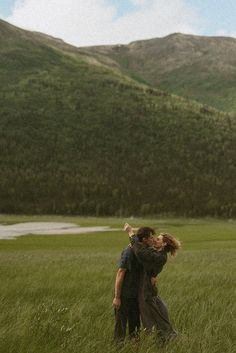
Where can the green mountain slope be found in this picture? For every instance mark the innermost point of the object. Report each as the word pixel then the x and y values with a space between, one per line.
pixel 196 67
pixel 78 137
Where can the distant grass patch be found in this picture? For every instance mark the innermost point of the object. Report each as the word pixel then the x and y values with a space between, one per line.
pixel 56 291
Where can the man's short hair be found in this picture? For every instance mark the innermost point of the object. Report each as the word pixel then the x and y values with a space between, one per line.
pixel 145 233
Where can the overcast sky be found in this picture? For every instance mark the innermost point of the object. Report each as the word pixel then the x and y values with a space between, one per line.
pixel 92 22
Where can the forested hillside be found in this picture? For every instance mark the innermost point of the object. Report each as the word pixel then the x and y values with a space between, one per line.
pixel 79 137
pixel 196 67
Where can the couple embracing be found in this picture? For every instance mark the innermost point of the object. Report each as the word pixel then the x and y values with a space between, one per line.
pixel 135 289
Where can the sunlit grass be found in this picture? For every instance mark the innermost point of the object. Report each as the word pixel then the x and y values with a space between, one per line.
pixel 56 291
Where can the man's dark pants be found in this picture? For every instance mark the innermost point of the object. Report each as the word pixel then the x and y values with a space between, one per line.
pixel 128 313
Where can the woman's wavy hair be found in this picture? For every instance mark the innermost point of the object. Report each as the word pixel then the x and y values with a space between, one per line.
pixel 172 244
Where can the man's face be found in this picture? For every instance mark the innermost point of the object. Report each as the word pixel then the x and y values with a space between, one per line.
pixel 150 241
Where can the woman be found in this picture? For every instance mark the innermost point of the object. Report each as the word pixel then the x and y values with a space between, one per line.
pixel 152 253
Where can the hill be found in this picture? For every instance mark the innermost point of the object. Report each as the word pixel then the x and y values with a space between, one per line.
pixel 196 67
pixel 79 137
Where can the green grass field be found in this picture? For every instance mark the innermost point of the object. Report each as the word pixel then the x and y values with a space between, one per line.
pixel 56 291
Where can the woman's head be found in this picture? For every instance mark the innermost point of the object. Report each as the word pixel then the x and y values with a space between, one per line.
pixel 169 243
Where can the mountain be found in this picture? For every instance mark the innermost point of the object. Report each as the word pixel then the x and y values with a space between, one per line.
pixel 196 67
pixel 77 136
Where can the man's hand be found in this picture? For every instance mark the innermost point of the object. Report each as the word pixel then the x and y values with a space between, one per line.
pixel 153 280
pixel 118 285
pixel 128 229
pixel 116 303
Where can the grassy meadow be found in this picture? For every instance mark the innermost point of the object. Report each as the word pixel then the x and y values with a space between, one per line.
pixel 56 291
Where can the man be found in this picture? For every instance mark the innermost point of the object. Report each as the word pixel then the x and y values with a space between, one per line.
pixel 125 301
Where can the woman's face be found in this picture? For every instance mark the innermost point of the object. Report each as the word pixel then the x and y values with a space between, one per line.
pixel 159 242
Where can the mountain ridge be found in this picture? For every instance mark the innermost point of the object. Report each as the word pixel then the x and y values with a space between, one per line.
pixel 196 67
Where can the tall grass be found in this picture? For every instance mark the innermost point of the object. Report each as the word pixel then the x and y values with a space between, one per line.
pixel 56 291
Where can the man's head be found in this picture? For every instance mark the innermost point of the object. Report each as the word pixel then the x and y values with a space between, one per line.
pixel 146 235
